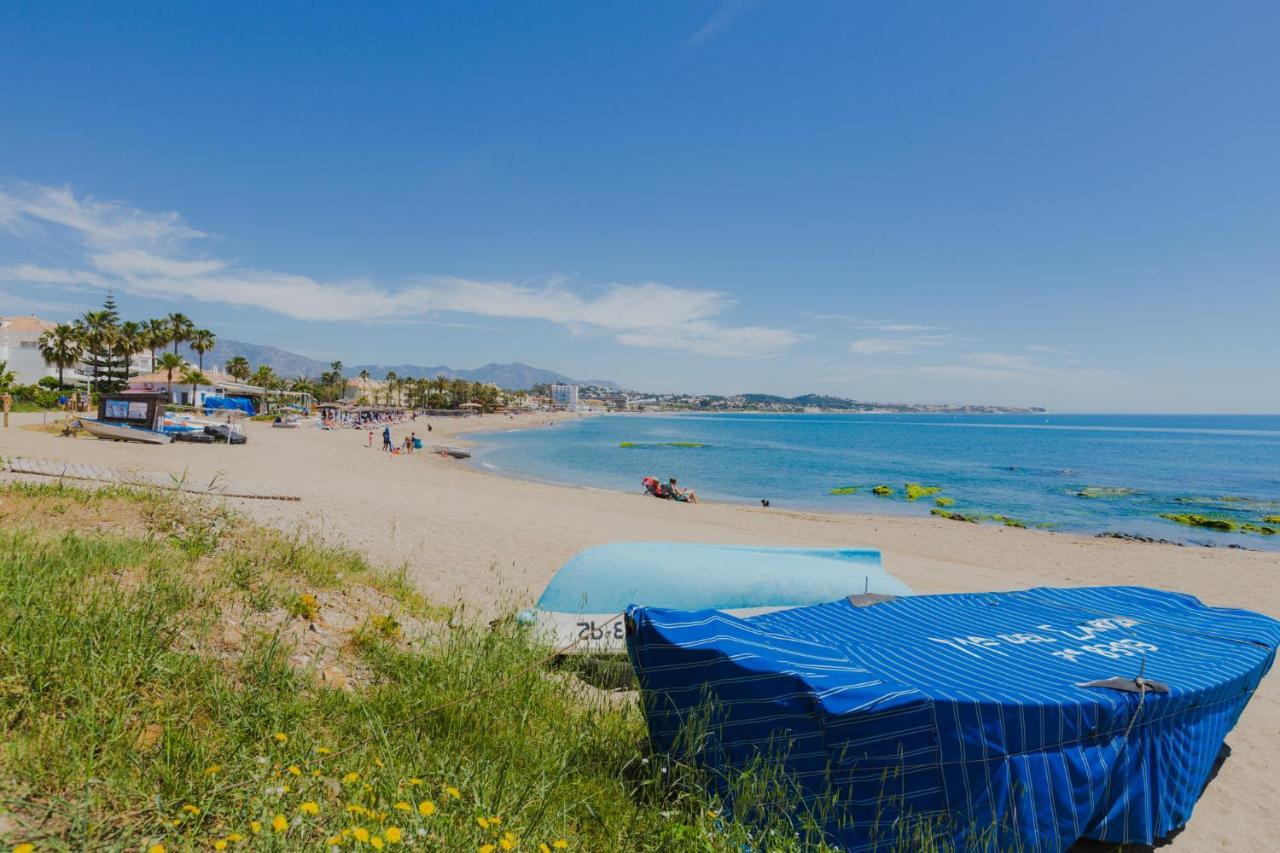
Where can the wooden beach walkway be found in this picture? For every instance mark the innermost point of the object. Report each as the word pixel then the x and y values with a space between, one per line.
pixel 147 479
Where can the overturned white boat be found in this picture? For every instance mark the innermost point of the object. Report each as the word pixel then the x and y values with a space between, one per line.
pixel 582 605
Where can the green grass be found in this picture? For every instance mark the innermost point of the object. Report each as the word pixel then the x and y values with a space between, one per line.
pixel 124 723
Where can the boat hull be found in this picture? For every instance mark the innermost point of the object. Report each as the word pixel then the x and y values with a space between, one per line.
pixel 124 432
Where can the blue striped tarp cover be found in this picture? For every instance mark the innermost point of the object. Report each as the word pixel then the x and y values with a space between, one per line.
pixel 965 712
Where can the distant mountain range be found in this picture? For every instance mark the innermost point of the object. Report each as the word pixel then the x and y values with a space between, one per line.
pixel 512 376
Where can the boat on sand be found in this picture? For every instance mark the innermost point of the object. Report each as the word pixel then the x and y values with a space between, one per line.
pixel 124 432
pixel 582 605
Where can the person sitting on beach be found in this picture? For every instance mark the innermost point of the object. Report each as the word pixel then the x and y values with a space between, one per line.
pixel 678 494
pixel 653 487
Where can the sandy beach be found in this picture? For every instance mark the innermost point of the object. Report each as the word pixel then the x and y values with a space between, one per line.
pixel 491 542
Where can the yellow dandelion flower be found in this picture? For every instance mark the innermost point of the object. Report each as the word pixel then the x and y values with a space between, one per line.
pixel 284 789
pixel 309 808
pixel 234 837
pixel 543 847
pixel 508 842
pixel 402 807
pixel 360 834
pixel 295 770
pixel 323 750
pixel 335 841
pixel 426 808
pixel 415 781
pixel 212 769
pixel 560 844
pixel 453 792
pixel 255 826
pixel 482 822
pixel 220 844
pixel 25 847
pixel 495 820
pixel 279 823
pixel 393 834
pixel 281 737
pixel 316 773
pixel 190 809
pixel 487 848
pixel 375 843
pixel 356 808
pixel 377 762
pixel 353 776
pixel 154 848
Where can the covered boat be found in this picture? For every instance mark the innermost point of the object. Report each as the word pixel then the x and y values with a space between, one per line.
pixel 993 721
pixel 583 603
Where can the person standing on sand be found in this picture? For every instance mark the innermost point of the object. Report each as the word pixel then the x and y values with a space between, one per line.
pixel 386 439
pixel 370 444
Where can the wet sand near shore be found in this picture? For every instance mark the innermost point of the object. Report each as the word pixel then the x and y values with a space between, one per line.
pixel 491 542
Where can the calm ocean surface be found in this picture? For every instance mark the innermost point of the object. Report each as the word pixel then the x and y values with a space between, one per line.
pixel 1028 467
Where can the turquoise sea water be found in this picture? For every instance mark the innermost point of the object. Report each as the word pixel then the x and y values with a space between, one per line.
pixel 1028 467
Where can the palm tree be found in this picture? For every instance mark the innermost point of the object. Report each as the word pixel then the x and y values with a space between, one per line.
pixel 6 376
pixel 264 376
pixel 238 366
pixel 194 376
pixel 391 385
pixel 170 362
pixel 129 342
pixel 202 340
pixel 61 347
pixel 98 331
pixel 180 329
pixel 156 334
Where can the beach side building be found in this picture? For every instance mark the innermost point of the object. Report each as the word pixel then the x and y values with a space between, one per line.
pixel 564 397
pixel 218 385
pixel 20 348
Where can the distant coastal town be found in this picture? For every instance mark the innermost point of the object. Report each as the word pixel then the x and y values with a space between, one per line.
pixel 42 361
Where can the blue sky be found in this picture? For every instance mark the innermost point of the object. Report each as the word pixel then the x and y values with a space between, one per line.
pixel 1072 205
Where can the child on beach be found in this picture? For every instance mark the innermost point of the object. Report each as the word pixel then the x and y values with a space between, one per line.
pixel 370 444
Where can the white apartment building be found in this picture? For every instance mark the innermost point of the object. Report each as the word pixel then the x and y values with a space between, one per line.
pixel 564 397
pixel 20 347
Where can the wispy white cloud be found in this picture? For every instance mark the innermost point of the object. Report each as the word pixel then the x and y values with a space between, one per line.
pixel 876 325
pixel 156 255
pixel 902 345
pixel 726 13
pixel 1008 368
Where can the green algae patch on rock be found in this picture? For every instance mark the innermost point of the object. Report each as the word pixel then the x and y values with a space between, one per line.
pixel 1009 522
pixel 1206 521
pixel 844 490
pixel 944 501
pixel 1105 492
pixel 955 516
pixel 1259 529
pixel 1271 519
pixel 882 491
pixel 637 444
pixel 916 491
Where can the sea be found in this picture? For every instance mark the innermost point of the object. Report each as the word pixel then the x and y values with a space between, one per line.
pixel 1089 474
